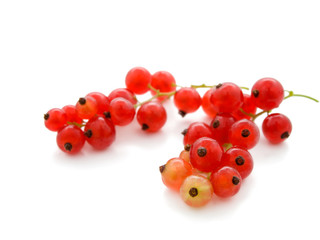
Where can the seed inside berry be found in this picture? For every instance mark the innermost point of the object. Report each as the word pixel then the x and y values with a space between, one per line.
pixel 68 146
pixel 239 160
pixel 193 192
pixel 255 93
pixel 161 168
pixel 284 135
pixel 184 132
pixel 235 180
pixel 219 85
pixel 46 116
pixel 82 101
pixel 245 133
pixel 144 126
pixel 182 113
pixel 216 124
pixel 202 151
pixel 88 133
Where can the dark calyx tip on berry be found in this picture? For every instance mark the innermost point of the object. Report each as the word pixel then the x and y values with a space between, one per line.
pixel 216 124
pixel 68 146
pixel 144 127
pixel 161 168
pixel 239 160
pixel 88 133
pixel 255 93
pixel 245 133
pixel 193 192
pixel 202 151
pixel 182 113
pixel 82 101
pixel 219 85
pixel 46 116
pixel 285 135
pixel 235 180
pixel 187 147
pixel 184 132
pixel 107 114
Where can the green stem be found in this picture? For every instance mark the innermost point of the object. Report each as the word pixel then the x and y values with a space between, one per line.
pixel 80 125
pixel 202 86
pixel 259 114
pixel 292 94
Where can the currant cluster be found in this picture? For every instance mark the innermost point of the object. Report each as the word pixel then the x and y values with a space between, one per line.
pixel 215 159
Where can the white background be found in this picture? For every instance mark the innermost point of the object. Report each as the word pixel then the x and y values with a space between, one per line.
pixel 53 52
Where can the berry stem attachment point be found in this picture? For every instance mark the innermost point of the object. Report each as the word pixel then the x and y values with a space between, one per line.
pixel 292 94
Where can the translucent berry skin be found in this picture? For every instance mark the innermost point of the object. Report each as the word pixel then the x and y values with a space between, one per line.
pixel 196 191
pixel 71 113
pixel 226 97
pixel 174 172
pixel 123 92
pixel 195 131
pixel 100 132
pixel 226 182
pixel 55 119
pixel 239 159
pixel 207 105
pixel 248 106
pixel 122 111
pixel 267 93
pixel 138 79
pixel 206 154
pixel 152 116
pixel 187 100
pixel 185 155
pixel 103 102
pixel 164 82
pixel 244 133
pixel 220 126
pixel 87 107
pixel 276 127
pixel 70 139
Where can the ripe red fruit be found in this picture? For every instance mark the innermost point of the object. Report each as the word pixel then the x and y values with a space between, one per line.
pixel 226 182
pixel 55 119
pixel 244 133
pixel 239 159
pixel 164 82
pixel 174 172
pixel 122 111
pixel 70 139
pixel 248 106
pixel 205 154
pixel 207 105
pixel 86 107
pixel 123 92
pixel 71 113
pixel 226 97
pixel 276 127
pixel 187 100
pixel 103 102
pixel 267 93
pixel 152 116
pixel 220 126
pixel 138 79
pixel 100 132
pixel 195 131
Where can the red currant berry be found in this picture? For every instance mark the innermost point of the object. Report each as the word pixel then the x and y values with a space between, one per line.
pixel 248 106
pixel 138 79
pixel 220 126
pixel 152 116
pixel 195 131
pixel 196 191
pixel 205 154
pixel 87 107
pixel 226 182
pixel 123 92
pixel 226 97
pixel 239 159
pixel 100 132
pixel 164 82
pixel 207 105
pixel 122 111
pixel 267 93
pixel 174 172
pixel 71 113
pixel 185 155
pixel 55 119
pixel 187 100
pixel 244 133
pixel 276 127
pixel 70 139
pixel 102 100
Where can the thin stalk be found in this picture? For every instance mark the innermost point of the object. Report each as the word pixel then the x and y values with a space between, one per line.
pixel 292 94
